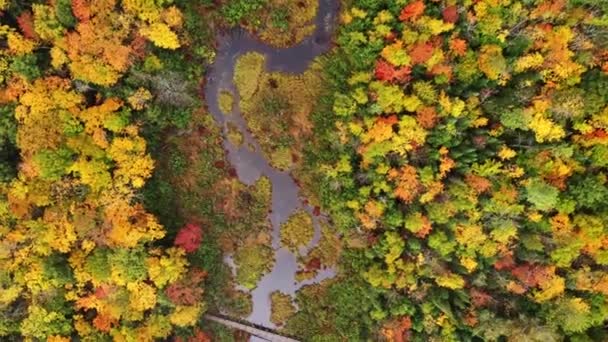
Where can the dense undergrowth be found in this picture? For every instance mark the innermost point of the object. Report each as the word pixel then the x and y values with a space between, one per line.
pixel 468 171
pixel 458 147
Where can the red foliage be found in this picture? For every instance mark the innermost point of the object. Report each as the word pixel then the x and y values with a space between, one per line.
pixel 412 11
pixel 421 52
pixel 450 14
pixel 138 46
pixel 401 332
pixel 189 237
pixel 26 24
pixel 199 336
pixel 506 262
pixel 313 264
pixel 102 291
pixel 532 275
pixel 388 120
pixel 387 72
pixel 479 298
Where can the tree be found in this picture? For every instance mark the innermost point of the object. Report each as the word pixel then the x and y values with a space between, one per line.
pixel 189 237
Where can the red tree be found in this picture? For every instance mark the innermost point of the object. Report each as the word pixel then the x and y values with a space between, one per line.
pixel 189 237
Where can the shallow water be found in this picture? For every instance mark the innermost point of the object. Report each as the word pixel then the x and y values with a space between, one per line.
pixel 250 164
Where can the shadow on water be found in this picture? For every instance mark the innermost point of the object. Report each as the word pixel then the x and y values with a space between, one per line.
pixel 250 164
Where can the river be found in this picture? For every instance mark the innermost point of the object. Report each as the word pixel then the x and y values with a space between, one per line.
pixel 250 164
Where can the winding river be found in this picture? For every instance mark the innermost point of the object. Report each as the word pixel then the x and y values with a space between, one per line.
pixel 250 163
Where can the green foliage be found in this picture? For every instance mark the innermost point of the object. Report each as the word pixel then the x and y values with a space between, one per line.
pixel 54 164
pixel 335 310
pixel 26 66
pixel 543 196
pixel 589 191
pixel 473 149
pixel 63 10
pixel 98 264
pixel 41 324
pixel 237 10
pixel 127 264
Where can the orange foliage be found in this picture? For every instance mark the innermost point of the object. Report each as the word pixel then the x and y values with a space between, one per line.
pixel 442 69
pixel 427 117
pixel 421 52
pixel 408 186
pixel 478 183
pixel 385 71
pixel 104 322
pixel 548 8
pixel 412 11
pixel 187 291
pixel 458 46
pixel 425 229
pixel 81 10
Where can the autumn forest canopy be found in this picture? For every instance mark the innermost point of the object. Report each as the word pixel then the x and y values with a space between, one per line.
pixel 449 159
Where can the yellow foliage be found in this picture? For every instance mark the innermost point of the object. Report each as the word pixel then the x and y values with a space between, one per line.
pixel 492 63
pixel 545 129
pixel 8 295
pixel 144 9
pixel 450 281
pixel 139 98
pixel 550 289
pixel 161 35
pixel 184 316
pixel 527 62
pixel 58 57
pixel 18 45
pixel 141 296
pixel 469 263
pixel 506 153
pixel 167 268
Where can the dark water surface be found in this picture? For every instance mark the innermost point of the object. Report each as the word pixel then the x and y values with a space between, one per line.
pixel 250 164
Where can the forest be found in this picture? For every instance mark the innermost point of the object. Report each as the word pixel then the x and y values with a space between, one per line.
pixel 332 170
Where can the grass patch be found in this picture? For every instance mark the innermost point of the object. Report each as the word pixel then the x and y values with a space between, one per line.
pixel 283 23
pixel 234 135
pixel 281 308
pixel 245 209
pixel 298 231
pixel 324 255
pixel 284 100
pixel 226 102
pixel 247 73
pixel 252 262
